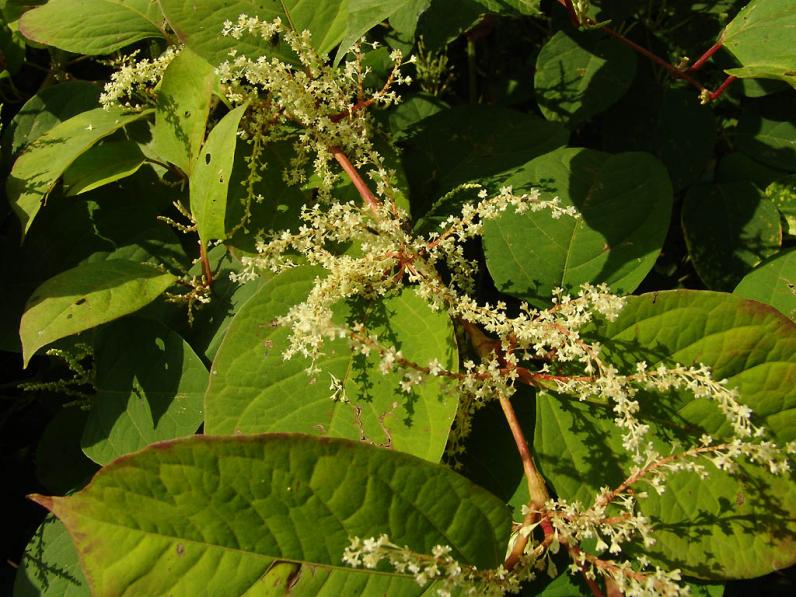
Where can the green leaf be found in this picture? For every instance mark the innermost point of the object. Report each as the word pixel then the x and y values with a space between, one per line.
pixel 209 182
pixel 580 74
pixel 49 107
pixel 739 167
pixel 669 123
pixel 729 228
pixel 363 15
pixel 213 514
pixel 97 225
pixel 102 164
pixel 38 169
pixel 721 528
pixel 252 389
pixel 769 140
pixel 761 38
pixel 469 143
pixel 624 202
pixel 50 566
pixel 280 204
pixel 183 104
pixel 60 463
pixel 773 282
pixel 85 297
pixel 406 117
pixel 446 20
pixel 150 386
pixel 200 30
pixel 92 26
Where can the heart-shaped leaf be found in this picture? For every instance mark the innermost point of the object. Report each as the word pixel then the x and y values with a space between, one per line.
pixel 624 202
pixel 253 389
pixel 725 527
pixel 215 515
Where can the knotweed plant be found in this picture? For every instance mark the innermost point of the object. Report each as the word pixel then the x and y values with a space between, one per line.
pixel 323 111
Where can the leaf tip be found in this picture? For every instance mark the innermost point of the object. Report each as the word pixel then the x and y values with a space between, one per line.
pixel 45 501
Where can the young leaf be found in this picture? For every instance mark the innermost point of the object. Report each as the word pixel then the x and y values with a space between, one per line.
pixel 729 228
pixel 44 161
pixel 150 386
pixel 761 38
pixel 209 182
pixel 773 282
pixel 580 74
pixel 102 164
pixel 253 389
pixel 213 515
pixel 50 566
pixel 624 202
pixel 183 104
pixel 724 527
pixel 85 297
pixel 92 26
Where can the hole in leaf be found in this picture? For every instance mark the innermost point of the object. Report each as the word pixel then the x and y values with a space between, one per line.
pixel 80 301
pixel 207 158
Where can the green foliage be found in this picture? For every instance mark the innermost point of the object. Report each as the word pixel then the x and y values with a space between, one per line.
pixel 293 486
pixel 390 327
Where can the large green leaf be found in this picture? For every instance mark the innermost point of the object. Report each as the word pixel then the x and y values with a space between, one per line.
pixel 773 283
pixel 94 226
pixel 182 107
pixel 102 164
pixel 49 107
pixel 210 177
pixel 50 566
pixel 200 29
pixel 92 26
pixel 150 386
pixel 724 527
pixel 38 169
pixel 252 389
pixel 624 202
pixel 212 515
pixel 85 297
pixel 729 228
pixel 468 143
pixel 580 74
pixel 761 38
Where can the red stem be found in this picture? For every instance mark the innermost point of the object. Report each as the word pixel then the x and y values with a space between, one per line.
pixel 671 69
pixel 705 57
pixel 722 88
pixel 573 16
pixel 361 186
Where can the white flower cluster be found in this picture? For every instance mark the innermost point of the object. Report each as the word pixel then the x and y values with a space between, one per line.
pixel 132 84
pixel 325 102
pixel 439 567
